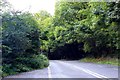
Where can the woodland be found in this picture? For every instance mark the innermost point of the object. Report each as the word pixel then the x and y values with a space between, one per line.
pixel 75 31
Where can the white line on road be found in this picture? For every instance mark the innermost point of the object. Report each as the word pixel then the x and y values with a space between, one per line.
pixel 87 71
pixel 91 72
pixel 49 73
pixel 115 69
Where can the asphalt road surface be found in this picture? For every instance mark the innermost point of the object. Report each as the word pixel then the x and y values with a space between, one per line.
pixel 71 69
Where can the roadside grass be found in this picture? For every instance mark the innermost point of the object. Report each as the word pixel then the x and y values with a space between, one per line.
pixel 111 61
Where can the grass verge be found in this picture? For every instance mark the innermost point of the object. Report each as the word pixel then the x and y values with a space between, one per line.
pixel 111 61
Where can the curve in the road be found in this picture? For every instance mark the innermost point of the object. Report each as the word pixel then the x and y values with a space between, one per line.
pixel 71 69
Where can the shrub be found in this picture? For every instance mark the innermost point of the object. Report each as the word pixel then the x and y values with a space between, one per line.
pixel 8 70
pixel 20 44
pixel 25 64
pixel 39 61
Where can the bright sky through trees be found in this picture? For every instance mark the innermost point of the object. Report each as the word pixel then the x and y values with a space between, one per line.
pixel 33 5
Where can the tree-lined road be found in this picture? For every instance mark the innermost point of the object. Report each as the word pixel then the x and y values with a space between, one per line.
pixel 72 69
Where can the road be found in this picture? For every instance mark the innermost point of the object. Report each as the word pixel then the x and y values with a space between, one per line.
pixel 71 69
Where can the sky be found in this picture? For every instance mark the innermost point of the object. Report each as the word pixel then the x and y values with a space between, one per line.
pixel 33 6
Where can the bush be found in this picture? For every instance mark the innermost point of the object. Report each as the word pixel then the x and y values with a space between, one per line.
pixel 25 64
pixel 8 70
pixel 39 61
pixel 22 68
pixel 21 44
pixel 35 62
pixel 0 70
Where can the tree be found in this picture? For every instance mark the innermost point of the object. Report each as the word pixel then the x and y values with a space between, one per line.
pixel 90 23
pixel 21 44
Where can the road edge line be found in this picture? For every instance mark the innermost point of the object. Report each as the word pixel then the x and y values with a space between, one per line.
pixel 49 73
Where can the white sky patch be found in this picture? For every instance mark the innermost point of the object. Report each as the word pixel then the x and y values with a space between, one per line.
pixel 33 6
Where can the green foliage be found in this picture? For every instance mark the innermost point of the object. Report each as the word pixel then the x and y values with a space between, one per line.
pixel 0 71
pixel 94 24
pixel 40 61
pixel 75 29
pixel 25 64
pixel 20 43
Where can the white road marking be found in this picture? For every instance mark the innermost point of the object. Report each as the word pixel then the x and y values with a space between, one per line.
pixel 115 69
pixel 87 71
pixel 49 73
pixel 90 72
